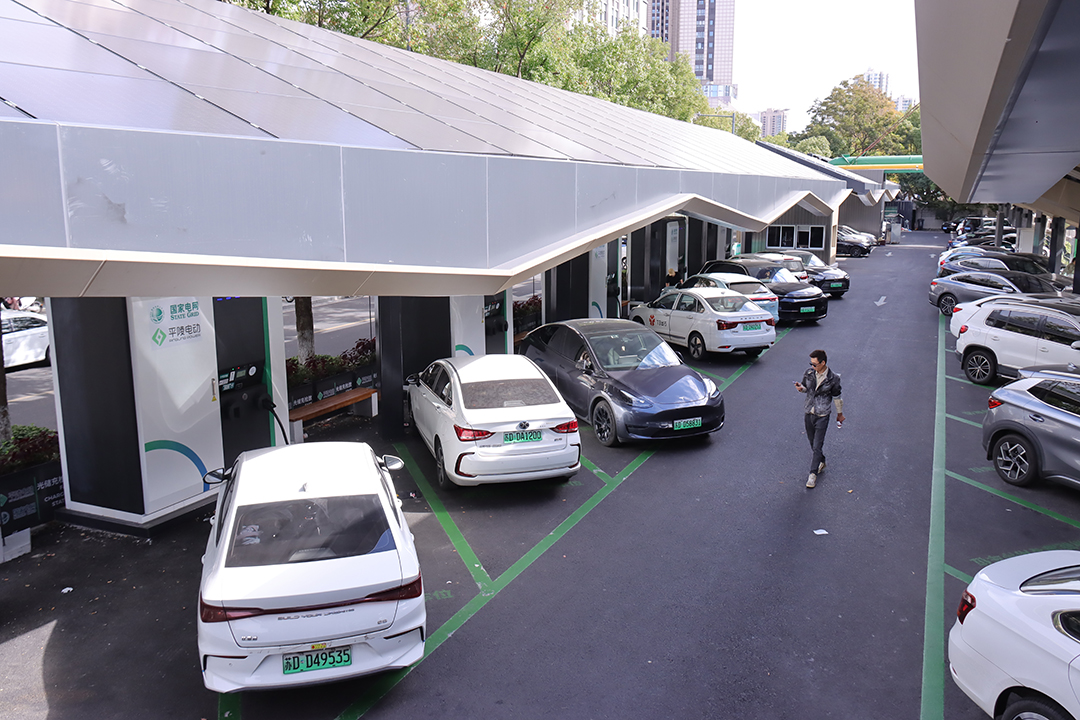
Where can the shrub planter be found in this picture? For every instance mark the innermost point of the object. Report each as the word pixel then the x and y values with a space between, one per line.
pixel 526 321
pixel 367 376
pixel 333 385
pixel 301 395
pixel 31 496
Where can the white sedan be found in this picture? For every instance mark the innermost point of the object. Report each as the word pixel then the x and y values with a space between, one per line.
pixel 310 574
pixel 709 320
pixel 752 288
pixel 493 418
pixel 1015 646
pixel 26 337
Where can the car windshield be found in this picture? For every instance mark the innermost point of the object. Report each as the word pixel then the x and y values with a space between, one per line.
pixel 783 275
pixel 279 533
pixel 632 350
pixel 727 303
pixel 813 261
pixel 517 392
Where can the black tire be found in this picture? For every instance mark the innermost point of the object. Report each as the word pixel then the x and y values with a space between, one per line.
pixel 48 356
pixel 753 352
pixel 603 422
pixel 946 303
pixel 858 252
pixel 696 344
pixel 440 469
pixel 980 366
pixel 639 321
pixel 836 295
pixel 1035 708
pixel 1015 460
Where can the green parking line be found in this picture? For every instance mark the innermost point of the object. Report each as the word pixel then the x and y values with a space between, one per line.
pixel 228 706
pixel 963 420
pixel 1013 498
pixel 387 682
pixel 726 382
pixel 962 380
pixel 933 669
pixel 961 576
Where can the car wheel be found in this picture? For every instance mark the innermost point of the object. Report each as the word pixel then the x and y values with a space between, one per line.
pixel 603 422
pixel 1035 708
pixel 697 346
pixel 980 366
pixel 858 252
pixel 440 469
pixel 836 295
pixel 639 321
pixel 48 357
pixel 1015 460
pixel 946 303
pixel 753 352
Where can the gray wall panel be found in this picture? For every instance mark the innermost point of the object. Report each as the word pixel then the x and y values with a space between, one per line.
pixel 31 204
pixel 202 194
pixel 698 183
pixel 531 206
pixel 415 208
pixel 656 185
pixel 604 192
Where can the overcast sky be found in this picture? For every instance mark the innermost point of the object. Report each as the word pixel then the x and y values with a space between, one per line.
pixel 789 53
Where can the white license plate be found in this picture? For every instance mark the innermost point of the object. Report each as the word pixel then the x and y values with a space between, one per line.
pixel 519 436
pixel 809 308
pixel 751 326
pixel 688 424
pixel 318 660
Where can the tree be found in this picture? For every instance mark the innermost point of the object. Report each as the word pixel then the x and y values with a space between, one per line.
pixel 782 139
pixel 5 416
pixel 305 328
pixel 855 118
pixel 816 145
pixel 925 192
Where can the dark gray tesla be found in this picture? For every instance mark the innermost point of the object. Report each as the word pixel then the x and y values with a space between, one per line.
pixel 625 380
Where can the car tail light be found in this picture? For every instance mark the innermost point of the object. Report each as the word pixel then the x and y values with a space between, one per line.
pixel 566 428
pixel 726 325
pixel 967 604
pixel 770 322
pixel 993 402
pixel 933 283
pixel 404 592
pixel 466 434
pixel 215 613
pixel 963 329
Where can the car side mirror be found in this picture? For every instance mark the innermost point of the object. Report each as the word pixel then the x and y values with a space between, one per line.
pixel 215 477
pixel 1009 290
pixel 413 379
pixel 392 462
pixel 1075 345
pixel 583 366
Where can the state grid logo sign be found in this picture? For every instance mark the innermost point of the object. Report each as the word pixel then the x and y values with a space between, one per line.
pixel 157 315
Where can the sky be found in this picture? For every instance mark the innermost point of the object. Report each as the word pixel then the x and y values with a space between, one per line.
pixel 790 53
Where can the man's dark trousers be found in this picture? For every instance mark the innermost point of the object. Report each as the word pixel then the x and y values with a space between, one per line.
pixel 816 426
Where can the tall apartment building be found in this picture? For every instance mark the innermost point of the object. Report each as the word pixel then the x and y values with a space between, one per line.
pixel 614 14
pixel 704 31
pixel 773 122
pixel 880 80
pixel 904 103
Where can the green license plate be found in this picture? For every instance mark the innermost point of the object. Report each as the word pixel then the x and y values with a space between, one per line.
pixel 319 660
pixel 751 326
pixel 522 436
pixel 838 284
pixel 688 424
pixel 810 308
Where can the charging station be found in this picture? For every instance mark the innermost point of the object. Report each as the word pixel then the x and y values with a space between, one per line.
pixel 153 392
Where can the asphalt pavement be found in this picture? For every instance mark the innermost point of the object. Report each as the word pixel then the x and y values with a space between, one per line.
pixel 696 578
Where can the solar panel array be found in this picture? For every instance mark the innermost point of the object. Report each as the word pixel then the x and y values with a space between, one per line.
pixel 210 67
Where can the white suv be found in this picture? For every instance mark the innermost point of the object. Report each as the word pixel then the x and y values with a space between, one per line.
pixel 1001 336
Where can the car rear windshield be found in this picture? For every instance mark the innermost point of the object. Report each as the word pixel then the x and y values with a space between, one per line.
pixel 750 288
pixel 507 393
pixel 727 304
pixel 295 531
pixel 1061 581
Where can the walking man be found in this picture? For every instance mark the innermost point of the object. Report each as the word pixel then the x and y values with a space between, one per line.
pixel 822 388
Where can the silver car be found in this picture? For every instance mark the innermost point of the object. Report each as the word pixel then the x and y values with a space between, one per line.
pixel 947 292
pixel 1031 430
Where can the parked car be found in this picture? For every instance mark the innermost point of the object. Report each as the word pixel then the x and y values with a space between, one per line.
pixel 793 263
pixel 994 261
pixel 1002 337
pixel 1014 645
pixel 798 301
pixel 493 419
pixel 829 278
pixel 849 231
pixel 752 288
pixel 948 226
pixel 310 574
pixel 625 380
pixel 946 292
pixel 709 320
pixel 852 246
pixel 26 337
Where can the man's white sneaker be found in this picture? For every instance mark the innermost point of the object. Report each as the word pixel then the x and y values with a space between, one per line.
pixel 811 481
pixel 821 467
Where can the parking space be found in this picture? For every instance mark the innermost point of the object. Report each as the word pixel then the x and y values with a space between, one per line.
pixel 694 577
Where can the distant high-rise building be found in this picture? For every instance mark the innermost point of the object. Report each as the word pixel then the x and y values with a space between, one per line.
pixel 704 31
pixel 773 122
pixel 880 80
pixel 903 103
pixel 614 14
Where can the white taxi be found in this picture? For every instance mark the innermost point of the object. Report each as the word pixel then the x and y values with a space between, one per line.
pixel 752 288
pixel 709 320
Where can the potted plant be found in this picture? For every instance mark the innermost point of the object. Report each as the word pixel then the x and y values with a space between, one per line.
pixel 298 377
pixel 526 313
pixel 360 359
pixel 330 375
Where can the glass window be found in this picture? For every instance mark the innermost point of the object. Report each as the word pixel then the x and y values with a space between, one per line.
pixel 996 319
pixel 817 237
pixel 665 302
pixel 567 342
pixel 632 349
pixel 1022 322
pixel 1064 396
pixel 428 376
pixel 305 530
pixel 542 336
pixel 517 392
pixel 688 303
pixel 727 304
pixel 749 288
pixel 1032 284
pixel 1069 622
pixel 1060 330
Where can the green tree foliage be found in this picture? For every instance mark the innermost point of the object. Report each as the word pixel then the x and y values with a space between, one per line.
pixel 816 145
pixel 854 117
pixel 781 139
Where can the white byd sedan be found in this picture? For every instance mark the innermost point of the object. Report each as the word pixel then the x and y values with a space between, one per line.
pixel 752 288
pixel 1015 646
pixel 310 574
pixel 493 418
pixel 709 320
pixel 26 337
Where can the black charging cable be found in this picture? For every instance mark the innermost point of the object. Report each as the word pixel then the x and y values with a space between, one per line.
pixel 268 404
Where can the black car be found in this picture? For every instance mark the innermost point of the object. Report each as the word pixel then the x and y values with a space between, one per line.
pixel 829 278
pixel 798 301
pixel 625 380
pixel 852 246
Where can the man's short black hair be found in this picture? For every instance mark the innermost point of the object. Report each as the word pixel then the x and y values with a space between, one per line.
pixel 820 355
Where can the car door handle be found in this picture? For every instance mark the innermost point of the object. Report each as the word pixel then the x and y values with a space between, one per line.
pixel 1037 418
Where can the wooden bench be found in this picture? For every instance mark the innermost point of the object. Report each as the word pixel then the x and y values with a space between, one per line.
pixel 349 399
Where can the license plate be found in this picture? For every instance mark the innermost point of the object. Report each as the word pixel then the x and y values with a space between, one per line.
pixel 319 660
pixel 751 326
pixel 809 308
pixel 519 436
pixel 837 284
pixel 688 423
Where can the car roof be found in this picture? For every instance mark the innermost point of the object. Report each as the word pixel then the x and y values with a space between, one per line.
pixel 305 471
pixel 726 277
pixel 712 292
pixel 6 313
pixel 1045 300
pixel 600 326
pixel 754 262
pixel 498 366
